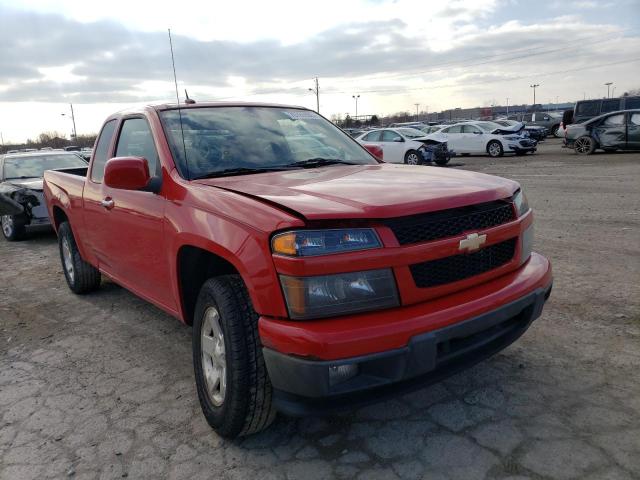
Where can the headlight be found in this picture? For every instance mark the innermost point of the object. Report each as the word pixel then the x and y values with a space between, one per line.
pixel 520 202
pixel 308 243
pixel 341 294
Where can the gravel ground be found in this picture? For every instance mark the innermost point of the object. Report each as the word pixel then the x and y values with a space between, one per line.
pixel 102 386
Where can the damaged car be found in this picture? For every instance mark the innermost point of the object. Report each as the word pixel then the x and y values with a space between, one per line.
pixel 609 132
pixel 535 132
pixel 484 137
pixel 408 145
pixel 22 205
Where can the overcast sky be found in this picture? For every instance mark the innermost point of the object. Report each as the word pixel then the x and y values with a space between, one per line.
pixel 103 56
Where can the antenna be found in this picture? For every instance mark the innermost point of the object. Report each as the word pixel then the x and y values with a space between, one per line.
pixel 188 101
pixel 175 81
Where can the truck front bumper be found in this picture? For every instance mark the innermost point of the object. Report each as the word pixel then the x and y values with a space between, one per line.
pixel 304 386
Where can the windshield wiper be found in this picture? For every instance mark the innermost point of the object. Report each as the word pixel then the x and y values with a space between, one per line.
pixel 22 177
pixel 227 172
pixel 319 162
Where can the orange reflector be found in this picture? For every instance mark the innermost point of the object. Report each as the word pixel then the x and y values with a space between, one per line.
pixel 285 244
pixel 294 291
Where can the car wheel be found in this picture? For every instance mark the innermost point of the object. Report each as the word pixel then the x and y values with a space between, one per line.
pixel 584 145
pixel 494 149
pixel 12 227
pixel 554 130
pixel 442 161
pixel 82 277
pixel 231 376
pixel 412 158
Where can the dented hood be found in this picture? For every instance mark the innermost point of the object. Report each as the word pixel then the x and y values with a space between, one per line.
pixel 32 183
pixel 368 191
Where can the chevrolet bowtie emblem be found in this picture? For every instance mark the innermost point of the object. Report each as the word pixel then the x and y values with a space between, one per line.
pixel 472 242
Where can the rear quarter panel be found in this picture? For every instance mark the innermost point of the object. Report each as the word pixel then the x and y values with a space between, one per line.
pixel 64 191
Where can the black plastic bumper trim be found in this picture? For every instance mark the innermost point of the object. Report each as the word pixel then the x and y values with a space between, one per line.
pixel 302 387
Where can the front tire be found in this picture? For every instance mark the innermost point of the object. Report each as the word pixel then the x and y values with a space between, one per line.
pixel 554 130
pixel 584 145
pixel 81 276
pixel 231 376
pixel 412 158
pixel 494 149
pixel 13 227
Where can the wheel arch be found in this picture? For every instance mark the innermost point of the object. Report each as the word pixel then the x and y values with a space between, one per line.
pixel 195 265
pixel 59 216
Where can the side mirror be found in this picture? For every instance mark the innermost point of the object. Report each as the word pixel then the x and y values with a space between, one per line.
pixel 477 132
pixel 398 139
pixel 127 173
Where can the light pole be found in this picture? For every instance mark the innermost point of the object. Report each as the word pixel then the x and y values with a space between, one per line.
pixel 608 84
pixel 316 90
pixel 417 106
pixel 356 97
pixel 507 106
pixel 534 86
pixel 73 119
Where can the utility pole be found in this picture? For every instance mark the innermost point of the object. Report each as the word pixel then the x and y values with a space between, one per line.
pixel 534 86
pixel 356 97
pixel 316 90
pixel 608 84
pixel 417 106
pixel 73 119
pixel 507 106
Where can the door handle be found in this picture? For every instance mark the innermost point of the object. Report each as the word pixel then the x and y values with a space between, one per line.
pixel 107 203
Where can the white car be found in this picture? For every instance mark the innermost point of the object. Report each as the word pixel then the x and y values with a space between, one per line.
pixel 399 145
pixel 478 137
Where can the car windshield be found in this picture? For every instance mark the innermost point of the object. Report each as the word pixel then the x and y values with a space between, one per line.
pixel 411 132
pixel 35 165
pixel 250 139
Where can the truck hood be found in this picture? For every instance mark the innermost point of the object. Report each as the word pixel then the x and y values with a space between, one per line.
pixel 30 183
pixel 367 191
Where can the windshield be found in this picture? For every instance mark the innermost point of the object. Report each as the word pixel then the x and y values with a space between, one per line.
pixel 35 166
pixel 411 132
pixel 218 139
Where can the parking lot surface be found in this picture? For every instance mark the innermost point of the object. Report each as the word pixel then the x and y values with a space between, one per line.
pixel 101 386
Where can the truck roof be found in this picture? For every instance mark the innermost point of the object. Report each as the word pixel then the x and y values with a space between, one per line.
pixel 161 106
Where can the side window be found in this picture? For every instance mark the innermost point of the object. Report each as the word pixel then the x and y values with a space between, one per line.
pixel 630 103
pixel 610 105
pixel 102 150
pixel 455 129
pixel 390 136
pixel 614 120
pixel 136 140
pixel 371 137
pixel 635 119
pixel 470 129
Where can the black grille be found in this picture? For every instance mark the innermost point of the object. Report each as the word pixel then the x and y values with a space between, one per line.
pixel 448 223
pixel 458 267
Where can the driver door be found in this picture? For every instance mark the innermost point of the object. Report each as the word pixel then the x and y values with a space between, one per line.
pixel 131 223
pixel 611 133
pixel 393 146
pixel 472 138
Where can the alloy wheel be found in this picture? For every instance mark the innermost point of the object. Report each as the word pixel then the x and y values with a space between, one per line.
pixel 412 159
pixel 7 225
pixel 214 362
pixel 583 145
pixel 68 259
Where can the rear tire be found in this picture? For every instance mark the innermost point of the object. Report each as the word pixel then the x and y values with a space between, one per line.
pixel 81 276
pixel 554 130
pixel 584 145
pixel 13 227
pixel 412 158
pixel 494 149
pixel 443 161
pixel 231 376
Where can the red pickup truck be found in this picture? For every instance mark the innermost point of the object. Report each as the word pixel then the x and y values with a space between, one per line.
pixel 315 276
